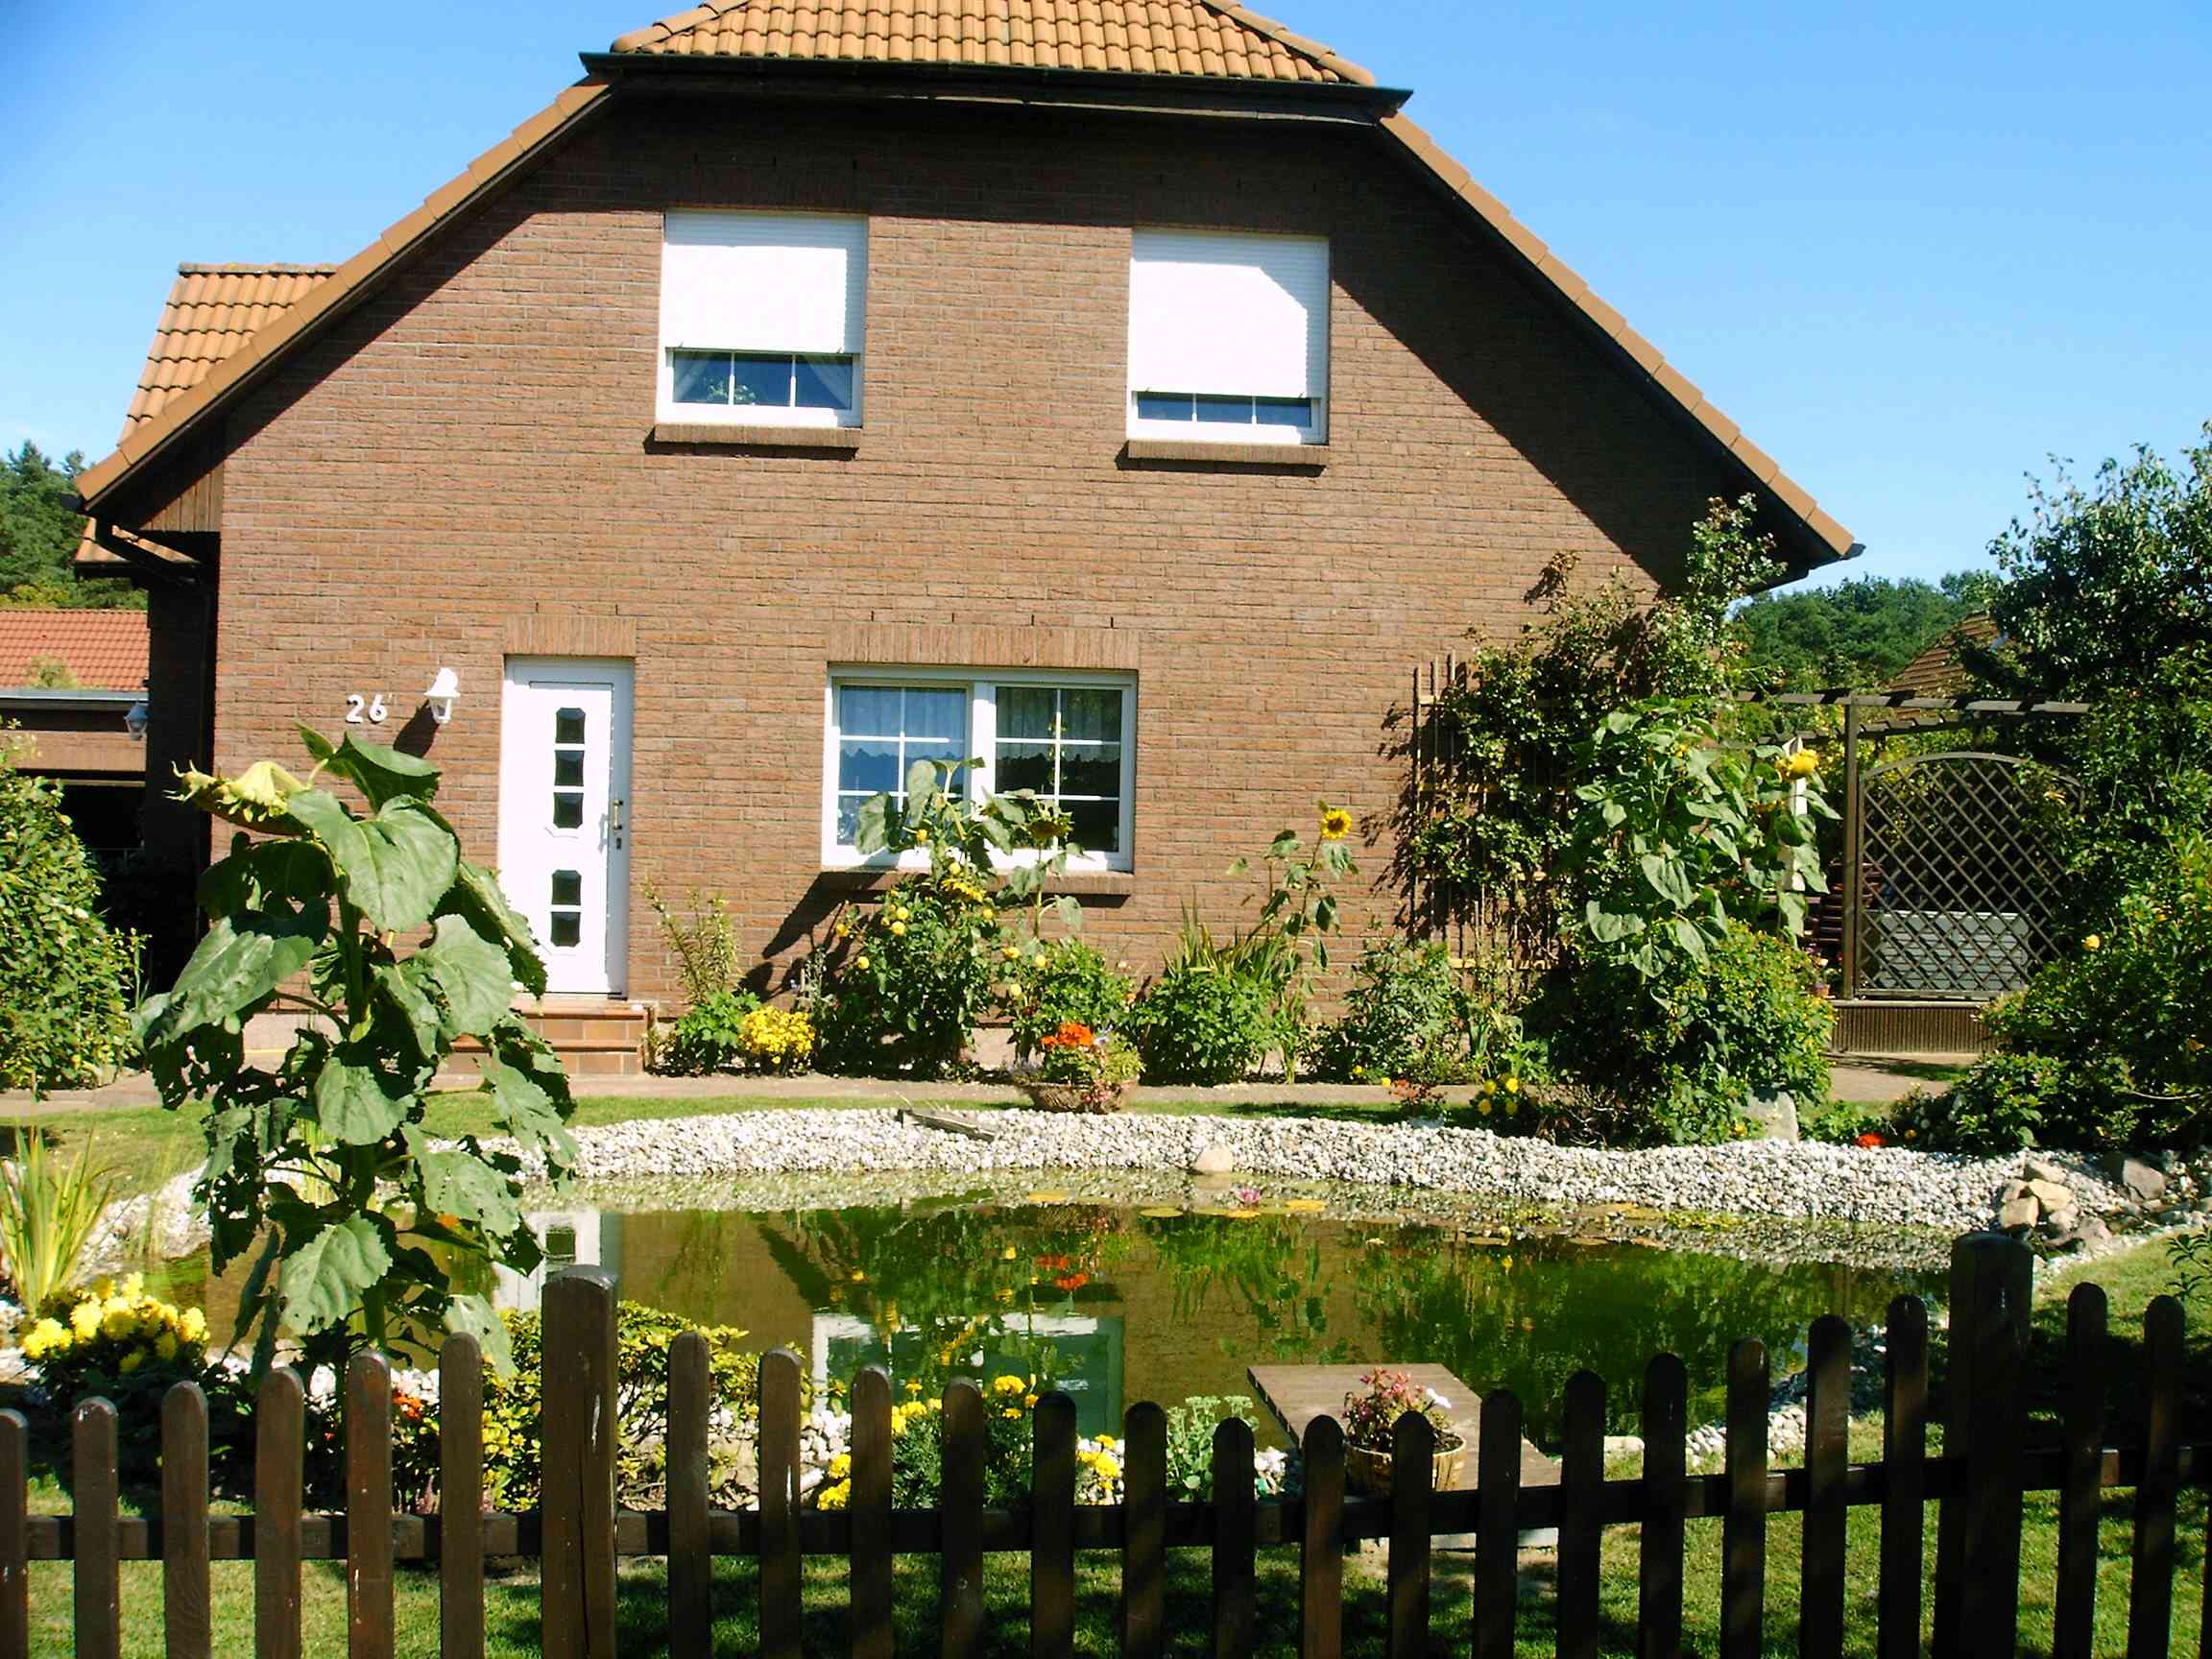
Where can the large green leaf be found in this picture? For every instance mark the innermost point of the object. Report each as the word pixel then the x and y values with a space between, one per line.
pixel 456 1182
pixel 323 1277
pixel 474 1317
pixel 399 987
pixel 357 1102
pixel 379 771
pixel 871 826
pixel 394 867
pixel 467 973
pixel 1611 927
pixel 475 897
pixel 239 962
pixel 1668 880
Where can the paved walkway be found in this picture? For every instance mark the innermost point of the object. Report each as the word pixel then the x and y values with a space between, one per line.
pixel 1860 1080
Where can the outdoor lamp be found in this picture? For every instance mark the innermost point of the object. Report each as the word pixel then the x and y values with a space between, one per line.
pixel 442 690
pixel 134 721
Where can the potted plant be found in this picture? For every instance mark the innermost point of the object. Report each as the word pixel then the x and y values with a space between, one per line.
pixel 1080 1069
pixel 1371 1418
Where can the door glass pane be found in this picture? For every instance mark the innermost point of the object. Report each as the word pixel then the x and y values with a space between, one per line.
pixel 1026 710
pixel 1091 769
pixel 1098 825
pixel 567 809
pixel 765 381
pixel 569 725
pixel 935 712
pixel 823 383
pixel 567 887
pixel 1088 711
pixel 699 376
pixel 568 768
pixel 870 764
pixel 1026 766
pixel 567 928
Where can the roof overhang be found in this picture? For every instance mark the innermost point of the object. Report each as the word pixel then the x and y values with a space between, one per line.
pixel 77 698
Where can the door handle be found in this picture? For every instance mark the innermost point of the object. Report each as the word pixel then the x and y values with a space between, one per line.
pixel 615 824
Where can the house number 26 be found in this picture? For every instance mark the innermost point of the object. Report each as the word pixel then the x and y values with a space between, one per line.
pixel 370 708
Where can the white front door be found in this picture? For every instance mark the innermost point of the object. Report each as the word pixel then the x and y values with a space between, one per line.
pixel 564 796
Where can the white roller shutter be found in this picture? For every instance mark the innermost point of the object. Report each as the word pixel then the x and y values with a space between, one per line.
pixel 1232 312
pixel 763 282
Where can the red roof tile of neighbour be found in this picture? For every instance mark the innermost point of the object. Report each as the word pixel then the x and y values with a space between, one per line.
pixel 1938 672
pixel 1201 38
pixel 211 311
pixel 103 650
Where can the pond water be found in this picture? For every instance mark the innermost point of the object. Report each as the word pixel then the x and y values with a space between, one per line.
pixel 1125 1301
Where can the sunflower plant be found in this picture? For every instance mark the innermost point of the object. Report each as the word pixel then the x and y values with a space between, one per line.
pixel 1297 910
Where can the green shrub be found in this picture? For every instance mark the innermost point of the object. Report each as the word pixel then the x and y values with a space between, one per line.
pixel 706 1038
pixel 1403 1009
pixel 1692 1048
pixel 2010 1101
pixel 513 1407
pixel 1201 1022
pixel 909 976
pixel 66 978
pixel 1068 981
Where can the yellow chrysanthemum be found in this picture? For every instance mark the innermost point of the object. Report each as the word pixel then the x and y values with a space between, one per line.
pixel 834 1496
pixel 193 1327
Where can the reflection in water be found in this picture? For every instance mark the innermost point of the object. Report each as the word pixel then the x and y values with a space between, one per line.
pixel 1118 1304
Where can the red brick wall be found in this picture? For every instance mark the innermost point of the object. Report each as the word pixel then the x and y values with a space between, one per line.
pixel 471 447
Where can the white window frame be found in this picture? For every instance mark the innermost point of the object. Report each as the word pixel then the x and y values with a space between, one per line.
pixel 1150 244
pixel 982 685
pixel 855 334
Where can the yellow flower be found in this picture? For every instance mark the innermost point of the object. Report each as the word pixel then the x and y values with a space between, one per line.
pixel 1335 823
pixel 834 1496
pixel 1803 764
pixel 166 1345
pixel 858 1277
pixel 2095 942
pixel 118 1321
pixel 1008 1254
pixel 43 1337
pixel 132 1361
pixel 840 1466
pixel 134 1284
pixel 1484 1107
pixel 921 837
pixel 912 1387
pixel 1010 953
pixel 1030 1400
pixel 1358 1070
pixel 193 1326
pixel 861 963
pixel 897 929
pixel 989 914
pixel 1007 1385
pixel 1512 1084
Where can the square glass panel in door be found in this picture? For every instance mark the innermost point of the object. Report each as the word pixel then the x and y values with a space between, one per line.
pixel 569 725
pixel 567 928
pixel 567 887
pixel 568 768
pixel 567 809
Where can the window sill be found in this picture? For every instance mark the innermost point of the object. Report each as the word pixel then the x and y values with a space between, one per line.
pixel 1102 884
pixel 1268 457
pixel 731 435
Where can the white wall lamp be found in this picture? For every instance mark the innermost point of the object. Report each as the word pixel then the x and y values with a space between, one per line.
pixel 439 697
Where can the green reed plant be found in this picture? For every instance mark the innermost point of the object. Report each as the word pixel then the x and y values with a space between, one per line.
pixel 49 1209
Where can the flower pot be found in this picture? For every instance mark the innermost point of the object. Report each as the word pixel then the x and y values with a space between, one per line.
pixel 1368 1471
pixel 1078 1096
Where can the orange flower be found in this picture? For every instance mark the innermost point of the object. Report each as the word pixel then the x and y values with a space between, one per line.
pixel 1073 1034
pixel 1871 1139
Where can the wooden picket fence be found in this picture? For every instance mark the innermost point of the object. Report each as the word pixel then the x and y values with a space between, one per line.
pixel 578 1535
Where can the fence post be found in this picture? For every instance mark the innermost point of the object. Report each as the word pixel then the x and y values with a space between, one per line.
pixel 782 1569
pixel 185 1620
pixel 279 1475
pixel 1321 1546
pixel 1412 1481
pixel 1978 1534
pixel 578 1504
pixel 369 1629
pixel 95 1499
pixel 14 1533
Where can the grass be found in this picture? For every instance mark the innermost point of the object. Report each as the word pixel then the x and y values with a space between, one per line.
pixel 2130 1279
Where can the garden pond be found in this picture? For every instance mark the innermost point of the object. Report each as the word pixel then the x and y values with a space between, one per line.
pixel 1127 1290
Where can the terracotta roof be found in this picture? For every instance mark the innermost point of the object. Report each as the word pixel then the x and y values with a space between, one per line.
pixel 105 650
pixel 211 311
pixel 1938 672
pixel 1201 38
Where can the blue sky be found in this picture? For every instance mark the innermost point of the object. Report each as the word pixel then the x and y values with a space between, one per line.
pixel 1913 249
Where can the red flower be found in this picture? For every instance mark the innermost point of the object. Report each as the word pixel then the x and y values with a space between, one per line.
pixel 1072 1281
pixel 1073 1034
pixel 1871 1139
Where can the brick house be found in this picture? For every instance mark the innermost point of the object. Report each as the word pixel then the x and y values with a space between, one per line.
pixel 73 709
pixel 1125 393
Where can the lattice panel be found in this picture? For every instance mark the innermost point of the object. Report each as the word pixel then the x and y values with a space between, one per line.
pixel 1961 891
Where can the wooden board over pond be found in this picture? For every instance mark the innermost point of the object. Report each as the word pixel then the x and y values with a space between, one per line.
pixel 1297 1394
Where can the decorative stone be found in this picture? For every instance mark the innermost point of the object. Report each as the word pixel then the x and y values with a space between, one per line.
pixel 2010 1191
pixel 1215 1159
pixel 2020 1213
pixel 2052 1194
pixel 2094 1231
pixel 1775 1114
pixel 2043 1169
pixel 2144 1183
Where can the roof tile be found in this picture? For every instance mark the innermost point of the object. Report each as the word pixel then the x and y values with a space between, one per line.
pixel 212 311
pixel 1211 40
pixel 103 650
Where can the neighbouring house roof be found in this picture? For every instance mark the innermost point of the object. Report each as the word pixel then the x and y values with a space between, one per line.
pixel 1129 36
pixel 103 650
pixel 1938 672
pixel 1203 41
pixel 211 312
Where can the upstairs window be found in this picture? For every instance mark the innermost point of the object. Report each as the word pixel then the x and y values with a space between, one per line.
pixel 1228 336
pixel 762 317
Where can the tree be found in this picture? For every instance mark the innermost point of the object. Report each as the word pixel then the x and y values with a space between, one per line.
pixel 1856 635
pixel 2104 581
pixel 39 527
